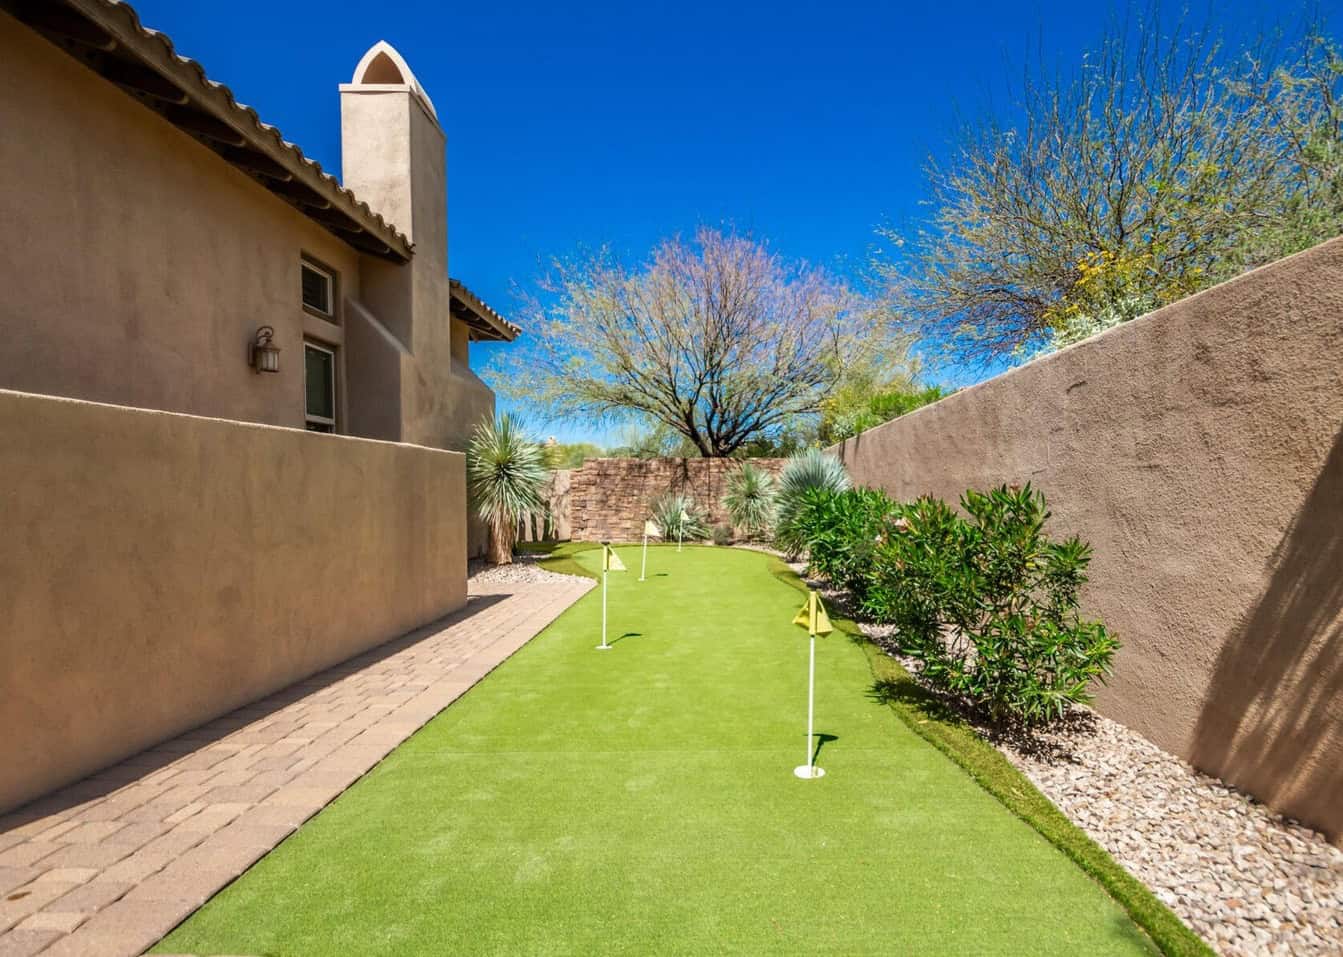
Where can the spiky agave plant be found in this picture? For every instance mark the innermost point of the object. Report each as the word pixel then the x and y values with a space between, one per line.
pixel 507 472
pixel 808 470
pixel 667 511
pixel 749 500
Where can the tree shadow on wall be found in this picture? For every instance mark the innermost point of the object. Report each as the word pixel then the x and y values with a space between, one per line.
pixel 1274 709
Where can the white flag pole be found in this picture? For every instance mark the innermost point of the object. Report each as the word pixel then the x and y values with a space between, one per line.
pixel 810 770
pixel 680 530
pixel 643 569
pixel 604 646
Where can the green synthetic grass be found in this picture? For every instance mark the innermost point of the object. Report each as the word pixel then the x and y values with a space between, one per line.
pixel 641 800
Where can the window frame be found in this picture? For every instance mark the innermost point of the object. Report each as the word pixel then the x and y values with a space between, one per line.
pixel 330 425
pixel 332 279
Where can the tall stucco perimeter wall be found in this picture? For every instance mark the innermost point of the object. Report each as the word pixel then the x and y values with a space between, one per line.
pixel 609 498
pixel 162 569
pixel 1200 451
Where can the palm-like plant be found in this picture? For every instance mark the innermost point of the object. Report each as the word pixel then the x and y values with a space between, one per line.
pixel 750 499
pixel 808 470
pixel 507 473
pixel 667 512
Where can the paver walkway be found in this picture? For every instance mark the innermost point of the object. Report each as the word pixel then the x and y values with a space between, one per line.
pixel 109 865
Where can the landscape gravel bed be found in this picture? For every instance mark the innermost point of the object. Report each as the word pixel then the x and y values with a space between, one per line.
pixel 525 568
pixel 1247 880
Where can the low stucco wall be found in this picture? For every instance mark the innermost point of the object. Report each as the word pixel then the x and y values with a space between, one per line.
pixel 159 570
pixel 1200 451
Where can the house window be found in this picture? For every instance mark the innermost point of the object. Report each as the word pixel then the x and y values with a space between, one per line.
pixel 319 380
pixel 319 290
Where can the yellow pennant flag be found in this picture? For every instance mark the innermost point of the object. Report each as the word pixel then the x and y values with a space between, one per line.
pixel 813 617
pixel 611 561
pixel 651 530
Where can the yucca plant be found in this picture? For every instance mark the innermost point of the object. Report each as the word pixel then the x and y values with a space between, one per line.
pixel 750 500
pixel 803 472
pixel 667 511
pixel 507 474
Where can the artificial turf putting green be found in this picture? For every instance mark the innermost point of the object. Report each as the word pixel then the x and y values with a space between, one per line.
pixel 642 800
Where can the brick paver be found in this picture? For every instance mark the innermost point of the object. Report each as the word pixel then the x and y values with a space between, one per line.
pixel 109 865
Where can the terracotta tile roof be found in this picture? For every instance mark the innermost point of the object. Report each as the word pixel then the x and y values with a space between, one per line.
pixel 107 36
pixel 484 322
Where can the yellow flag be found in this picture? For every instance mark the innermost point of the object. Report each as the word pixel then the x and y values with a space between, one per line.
pixel 611 561
pixel 651 530
pixel 813 617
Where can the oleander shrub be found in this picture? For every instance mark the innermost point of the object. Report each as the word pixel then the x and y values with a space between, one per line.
pixel 679 518
pixel 841 532
pixel 749 500
pixel 989 604
pixel 804 472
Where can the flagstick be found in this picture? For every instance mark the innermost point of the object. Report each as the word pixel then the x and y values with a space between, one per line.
pixel 643 569
pixel 810 770
pixel 604 646
pixel 679 532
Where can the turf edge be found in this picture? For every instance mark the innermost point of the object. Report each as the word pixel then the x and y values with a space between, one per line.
pixel 932 721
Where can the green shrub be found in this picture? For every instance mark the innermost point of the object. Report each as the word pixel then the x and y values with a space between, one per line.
pixel 667 511
pixel 808 470
pixel 841 532
pixel 750 500
pixel 989 604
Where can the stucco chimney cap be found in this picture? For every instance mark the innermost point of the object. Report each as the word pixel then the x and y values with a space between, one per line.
pixel 382 65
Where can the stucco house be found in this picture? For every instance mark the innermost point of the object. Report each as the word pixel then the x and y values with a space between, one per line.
pixel 161 241
pixel 185 299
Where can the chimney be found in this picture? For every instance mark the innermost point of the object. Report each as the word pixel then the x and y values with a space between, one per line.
pixel 392 157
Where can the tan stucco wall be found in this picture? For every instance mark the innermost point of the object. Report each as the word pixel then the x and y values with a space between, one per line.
pixel 136 263
pixel 162 569
pixel 393 155
pixel 1200 451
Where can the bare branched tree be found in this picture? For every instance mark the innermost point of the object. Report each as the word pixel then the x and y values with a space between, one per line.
pixel 719 340
pixel 1162 166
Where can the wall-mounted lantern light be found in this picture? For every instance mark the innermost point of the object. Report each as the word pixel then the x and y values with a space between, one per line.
pixel 264 355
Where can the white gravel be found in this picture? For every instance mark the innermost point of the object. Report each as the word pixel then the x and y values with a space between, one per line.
pixel 1247 880
pixel 524 569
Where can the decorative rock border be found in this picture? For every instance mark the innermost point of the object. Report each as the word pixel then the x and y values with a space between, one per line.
pixel 1247 880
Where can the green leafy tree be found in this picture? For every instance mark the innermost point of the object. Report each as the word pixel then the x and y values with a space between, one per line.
pixel 860 406
pixel 570 455
pixel 1163 164
pixel 507 475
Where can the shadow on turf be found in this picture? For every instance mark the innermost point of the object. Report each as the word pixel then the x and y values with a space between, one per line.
pixel 628 634
pixel 821 741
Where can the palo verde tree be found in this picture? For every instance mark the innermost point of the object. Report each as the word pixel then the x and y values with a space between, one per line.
pixel 1163 164
pixel 719 340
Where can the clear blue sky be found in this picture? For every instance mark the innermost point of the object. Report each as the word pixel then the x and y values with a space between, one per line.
pixel 576 124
